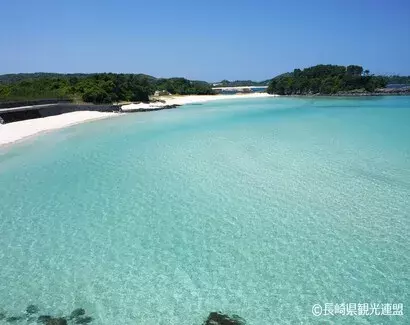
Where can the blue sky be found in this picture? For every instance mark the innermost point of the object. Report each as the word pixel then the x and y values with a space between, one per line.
pixel 208 40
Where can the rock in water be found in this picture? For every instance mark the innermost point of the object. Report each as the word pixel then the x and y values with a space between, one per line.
pixel 43 319
pixel 32 309
pixel 84 320
pixel 77 313
pixel 2 316
pixel 56 321
pixel 13 319
pixel 217 318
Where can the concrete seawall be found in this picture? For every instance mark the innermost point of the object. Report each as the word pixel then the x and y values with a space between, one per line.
pixel 14 114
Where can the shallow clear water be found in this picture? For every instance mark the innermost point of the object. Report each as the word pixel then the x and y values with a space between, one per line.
pixel 261 208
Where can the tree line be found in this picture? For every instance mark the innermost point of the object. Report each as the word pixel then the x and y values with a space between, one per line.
pixel 395 79
pixel 241 83
pixel 94 88
pixel 325 79
pixel 101 88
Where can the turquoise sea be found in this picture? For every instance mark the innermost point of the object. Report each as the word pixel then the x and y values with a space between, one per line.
pixel 261 208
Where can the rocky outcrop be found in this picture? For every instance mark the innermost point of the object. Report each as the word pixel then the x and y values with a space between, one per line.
pixel 42 319
pixel 56 321
pixel 217 318
pixel 77 313
pixel 32 309
pixel 404 91
pixel 14 319
pixel 77 316
pixel 147 107
pixel 83 320
pixel 394 91
pixel 377 92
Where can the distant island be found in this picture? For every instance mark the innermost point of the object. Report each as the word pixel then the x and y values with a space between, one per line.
pixel 241 83
pixel 331 80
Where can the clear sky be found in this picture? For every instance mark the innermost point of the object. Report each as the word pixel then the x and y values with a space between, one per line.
pixel 208 40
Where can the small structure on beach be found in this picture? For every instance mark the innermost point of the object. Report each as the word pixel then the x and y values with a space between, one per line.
pixel 162 93
pixel 12 112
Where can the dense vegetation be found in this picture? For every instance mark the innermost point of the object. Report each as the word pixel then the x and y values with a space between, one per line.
pixel 183 86
pixel 240 83
pixel 109 87
pixel 15 77
pixel 325 79
pixel 403 80
pixel 94 88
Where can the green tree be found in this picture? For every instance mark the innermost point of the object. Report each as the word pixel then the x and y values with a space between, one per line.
pixel 354 70
pixel 324 79
pixel 95 88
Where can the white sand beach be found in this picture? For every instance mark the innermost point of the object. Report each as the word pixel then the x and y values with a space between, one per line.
pixel 16 131
pixel 181 100
pixel 191 99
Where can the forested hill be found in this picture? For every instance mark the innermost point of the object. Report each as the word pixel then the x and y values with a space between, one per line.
pixel 240 83
pixel 16 77
pixel 96 88
pixel 326 80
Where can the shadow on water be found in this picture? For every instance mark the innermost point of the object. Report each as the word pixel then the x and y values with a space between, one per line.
pixel 32 315
pixel 78 316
